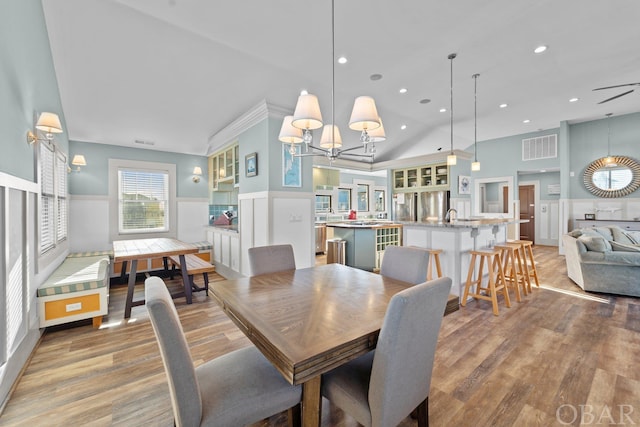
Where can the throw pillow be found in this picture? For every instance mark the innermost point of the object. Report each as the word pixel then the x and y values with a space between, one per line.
pixel 595 243
pixel 620 236
pixel 604 232
pixel 634 236
pixel 575 233
pixel 624 247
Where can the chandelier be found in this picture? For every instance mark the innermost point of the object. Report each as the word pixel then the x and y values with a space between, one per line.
pixel 307 117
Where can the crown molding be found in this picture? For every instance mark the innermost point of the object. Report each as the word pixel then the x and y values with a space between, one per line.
pixel 256 114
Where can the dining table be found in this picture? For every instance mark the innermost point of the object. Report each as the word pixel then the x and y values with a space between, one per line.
pixel 310 320
pixel 142 249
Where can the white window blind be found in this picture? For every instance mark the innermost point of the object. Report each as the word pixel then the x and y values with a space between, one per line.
pixel 143 201
pixel 61 184
pixel 47 198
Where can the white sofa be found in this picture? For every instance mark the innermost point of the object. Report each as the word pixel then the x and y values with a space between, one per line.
pixel 604 259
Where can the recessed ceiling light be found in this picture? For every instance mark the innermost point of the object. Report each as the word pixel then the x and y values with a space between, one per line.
pixel 425 101
pixel 342 60
pixel 375 77
pixel 504 105
pixel 526 121
pixel 443 110
pixel 574 99
pixel 403 127
pixel 304 92
pixel 403 90
pixel 540 49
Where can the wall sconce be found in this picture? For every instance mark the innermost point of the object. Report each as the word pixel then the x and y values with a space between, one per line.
pixel 78 160
pixel 197 172
pixel 49 123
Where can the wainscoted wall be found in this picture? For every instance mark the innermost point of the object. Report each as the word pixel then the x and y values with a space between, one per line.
pixel 272 218
pixel 19 332
pixel 89 231
pixel 625 208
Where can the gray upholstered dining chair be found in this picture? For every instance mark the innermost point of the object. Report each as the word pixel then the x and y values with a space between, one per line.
pixel 271 259
pixel 405 263
pixel 384 386
pixel 239 388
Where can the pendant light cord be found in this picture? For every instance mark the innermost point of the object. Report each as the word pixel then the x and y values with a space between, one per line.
pixel 609 135
pixel 451 57
pixel 333 74
pixel 475 116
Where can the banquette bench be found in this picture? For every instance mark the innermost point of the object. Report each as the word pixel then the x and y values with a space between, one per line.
pixel 78 289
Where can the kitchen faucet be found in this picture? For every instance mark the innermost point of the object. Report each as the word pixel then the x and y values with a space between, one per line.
pixel 451 215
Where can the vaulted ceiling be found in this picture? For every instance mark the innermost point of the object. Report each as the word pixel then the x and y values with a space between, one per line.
pixel 173 73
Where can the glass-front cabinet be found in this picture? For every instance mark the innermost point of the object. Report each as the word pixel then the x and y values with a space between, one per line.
pixel 224 167
pixel 428 177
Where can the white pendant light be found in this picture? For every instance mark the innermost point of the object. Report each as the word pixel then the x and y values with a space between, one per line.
pixel 451 158
pixel 475 166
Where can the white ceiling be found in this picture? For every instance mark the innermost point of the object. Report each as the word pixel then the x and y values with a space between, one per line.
pixel 176 72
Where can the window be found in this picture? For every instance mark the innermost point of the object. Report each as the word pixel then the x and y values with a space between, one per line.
pixel 53 197
pixel 344 199
pixel 379 196
pixel 143 199
pixel 363 197
pixel 323 203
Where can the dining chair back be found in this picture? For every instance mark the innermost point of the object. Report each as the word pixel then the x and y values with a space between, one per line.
pixel 384 386
pixel 239 388
pixel 271 259
pixel 409 264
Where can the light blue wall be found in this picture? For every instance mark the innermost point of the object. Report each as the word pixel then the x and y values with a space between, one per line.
pixel 545 179
pixel 348 178
pixel 263 139
pixel 589 143
pixel 93 178
pixel 28 84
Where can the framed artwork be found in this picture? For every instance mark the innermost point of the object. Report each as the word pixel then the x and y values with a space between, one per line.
pixel 291 167
pixel 589 216
pixel 464 184
pixel 251 164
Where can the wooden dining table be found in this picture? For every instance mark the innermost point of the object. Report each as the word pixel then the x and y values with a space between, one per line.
pixel 309 321
pixel 143 249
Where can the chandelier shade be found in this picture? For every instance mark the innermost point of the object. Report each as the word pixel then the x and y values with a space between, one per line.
pixel 364 116
pixel 288 133
pixel 307 114
pixel 377 134
pixel 330 137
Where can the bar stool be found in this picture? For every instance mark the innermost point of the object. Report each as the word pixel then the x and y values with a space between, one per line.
pixel 496 280
pixel 434 259
pixel 513 268
pixel 530 263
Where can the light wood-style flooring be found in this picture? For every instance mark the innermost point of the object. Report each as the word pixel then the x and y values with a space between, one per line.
pixel 558 356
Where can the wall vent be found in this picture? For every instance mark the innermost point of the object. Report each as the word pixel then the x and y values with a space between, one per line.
pixel 541 147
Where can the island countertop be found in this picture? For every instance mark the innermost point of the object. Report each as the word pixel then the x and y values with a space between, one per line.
pixel 465 223
pixel 364 224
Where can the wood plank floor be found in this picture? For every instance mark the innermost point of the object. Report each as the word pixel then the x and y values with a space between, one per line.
pixel 534 365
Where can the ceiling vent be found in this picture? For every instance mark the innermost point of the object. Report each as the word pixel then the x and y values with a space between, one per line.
pixel 541 147
pixel 143 142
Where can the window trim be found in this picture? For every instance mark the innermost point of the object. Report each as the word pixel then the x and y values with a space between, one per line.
pixel 114 166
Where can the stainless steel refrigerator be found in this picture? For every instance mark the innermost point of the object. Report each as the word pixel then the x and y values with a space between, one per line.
pixel 433 205
pixel 405 206
pixel 424 206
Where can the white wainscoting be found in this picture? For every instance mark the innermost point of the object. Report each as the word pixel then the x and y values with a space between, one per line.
pixel 89 222
pixel 19 332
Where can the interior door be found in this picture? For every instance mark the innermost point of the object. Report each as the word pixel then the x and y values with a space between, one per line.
pixel 527 211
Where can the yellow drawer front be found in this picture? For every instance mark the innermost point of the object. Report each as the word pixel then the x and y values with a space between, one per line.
pixel 79 305
pixel 204 255
pixel 156 264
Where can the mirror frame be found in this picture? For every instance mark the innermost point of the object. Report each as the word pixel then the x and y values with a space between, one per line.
pixel 476 196
pixel 596 165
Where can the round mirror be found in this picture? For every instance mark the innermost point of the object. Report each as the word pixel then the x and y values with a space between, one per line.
pixel 614 176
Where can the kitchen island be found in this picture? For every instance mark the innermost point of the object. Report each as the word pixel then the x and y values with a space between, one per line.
pixel 456 239
pixel 366 241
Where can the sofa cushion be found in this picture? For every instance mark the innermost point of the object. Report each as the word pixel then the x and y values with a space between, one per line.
pixel 624 247
pixel 595 243
pixel 575 233
pixel 620 236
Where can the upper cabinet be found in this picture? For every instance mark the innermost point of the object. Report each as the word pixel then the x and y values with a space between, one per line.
pixel 425 178
pixel 224 167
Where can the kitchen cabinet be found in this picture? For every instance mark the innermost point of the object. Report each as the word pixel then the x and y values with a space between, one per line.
pixel 365 243
pixel 224 168
pixel 225 248
pixel 429 177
